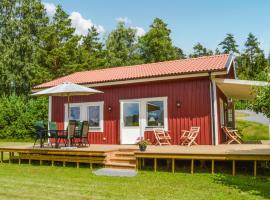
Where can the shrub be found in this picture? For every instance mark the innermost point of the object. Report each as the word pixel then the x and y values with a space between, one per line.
pixel 18 114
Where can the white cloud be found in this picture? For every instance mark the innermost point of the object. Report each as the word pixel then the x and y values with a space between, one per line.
pixel 123 19
pixel 50 8
pixel 82 25
pixel 139 31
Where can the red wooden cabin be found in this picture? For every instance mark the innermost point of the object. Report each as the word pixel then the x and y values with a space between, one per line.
pixel 174 95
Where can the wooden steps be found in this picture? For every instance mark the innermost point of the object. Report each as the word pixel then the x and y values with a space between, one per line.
pixel 121 159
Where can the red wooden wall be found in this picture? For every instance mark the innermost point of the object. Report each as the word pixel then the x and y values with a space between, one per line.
pixel 194 95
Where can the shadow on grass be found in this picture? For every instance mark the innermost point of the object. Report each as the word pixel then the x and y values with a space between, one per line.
pixel 257 186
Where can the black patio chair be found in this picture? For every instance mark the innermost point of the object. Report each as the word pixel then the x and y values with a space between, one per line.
pixel 84 133
pixel 71 132
pixel 78 132
pixel 41 133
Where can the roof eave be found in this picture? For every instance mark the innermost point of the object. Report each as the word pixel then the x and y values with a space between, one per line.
pixel 148 79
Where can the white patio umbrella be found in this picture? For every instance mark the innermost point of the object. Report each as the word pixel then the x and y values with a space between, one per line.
pixel 67 89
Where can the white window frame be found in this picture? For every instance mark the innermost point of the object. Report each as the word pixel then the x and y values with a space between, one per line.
pixel 84 113
pixel 146 113
pixel 143 111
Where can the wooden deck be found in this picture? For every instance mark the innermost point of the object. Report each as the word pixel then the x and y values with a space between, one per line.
pixel 128 156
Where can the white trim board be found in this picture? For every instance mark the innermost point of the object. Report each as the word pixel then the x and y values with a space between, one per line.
pixel 216 129
pixel 84 113
pixel 143 113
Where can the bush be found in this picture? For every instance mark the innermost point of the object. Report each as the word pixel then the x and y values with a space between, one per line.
pixel 18 115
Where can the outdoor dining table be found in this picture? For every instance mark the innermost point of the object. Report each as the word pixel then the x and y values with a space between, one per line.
pixel 57 135
pixel 60 134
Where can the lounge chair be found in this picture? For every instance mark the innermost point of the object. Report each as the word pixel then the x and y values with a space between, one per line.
pixel 232 136
pixel 188 138
pixel 162 137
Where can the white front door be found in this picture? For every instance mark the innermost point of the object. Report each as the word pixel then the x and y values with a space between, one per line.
pixel 130 122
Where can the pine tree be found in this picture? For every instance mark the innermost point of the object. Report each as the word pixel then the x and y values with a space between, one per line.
pixel 228 45
pixel 92 50
pixel 156 45
pixel 199 50
pixel 252 64
pixel 121 46
pixel 22 23
pixel 61 45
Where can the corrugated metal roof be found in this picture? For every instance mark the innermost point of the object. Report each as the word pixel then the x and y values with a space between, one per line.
pixel 166 68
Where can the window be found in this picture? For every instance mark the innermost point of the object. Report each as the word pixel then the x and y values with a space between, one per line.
pixel 74 113
pixel 88 111
pixel 145 113
pixel 230 115
pixel 155 113
pixel 131 114
pixel 94 116
pixel 222 116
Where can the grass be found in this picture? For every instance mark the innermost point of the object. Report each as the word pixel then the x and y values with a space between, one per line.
pixel 45 182
pixel 251 131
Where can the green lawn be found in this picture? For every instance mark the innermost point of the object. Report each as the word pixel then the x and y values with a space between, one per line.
pixel 45 182
pixel 252 130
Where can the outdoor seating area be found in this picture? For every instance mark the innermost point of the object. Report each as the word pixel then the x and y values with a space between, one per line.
pixel 76 134
pixel 188 138
pixel 103 155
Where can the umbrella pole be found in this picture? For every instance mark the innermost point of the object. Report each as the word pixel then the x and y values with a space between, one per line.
pixel 68 123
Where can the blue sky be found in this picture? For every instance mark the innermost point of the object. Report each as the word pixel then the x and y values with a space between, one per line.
pixel 191 21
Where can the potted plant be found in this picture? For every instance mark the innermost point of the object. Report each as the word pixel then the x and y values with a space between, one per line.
pixel 142 143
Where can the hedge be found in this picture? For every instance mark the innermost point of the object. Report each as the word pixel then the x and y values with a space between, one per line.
pixel 18 115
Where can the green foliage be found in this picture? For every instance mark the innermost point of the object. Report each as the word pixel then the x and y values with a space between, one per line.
pixel 262 101
pixel 242 105
pixel 61 45
pixel 228 45
pixel 18 114
pixel 200 50
pixel 21 26
pixel 252 64
pixel 93 50
pixel 156 45
pixel 121 46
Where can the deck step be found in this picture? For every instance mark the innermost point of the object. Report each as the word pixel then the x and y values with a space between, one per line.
pixel 124 154
pixel 123 160
pixel 120 165
pixel 127 150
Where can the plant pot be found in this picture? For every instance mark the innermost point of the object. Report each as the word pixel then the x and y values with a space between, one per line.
pixel 142 147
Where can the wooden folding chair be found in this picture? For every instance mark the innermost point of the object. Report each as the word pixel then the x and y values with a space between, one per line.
pixel 232 136
pixel 162 137
pixel 188 137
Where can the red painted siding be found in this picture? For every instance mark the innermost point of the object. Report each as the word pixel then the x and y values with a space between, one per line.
pixel 194 95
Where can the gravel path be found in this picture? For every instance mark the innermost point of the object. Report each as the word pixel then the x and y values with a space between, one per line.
pixel 254 117
pixel 115 172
